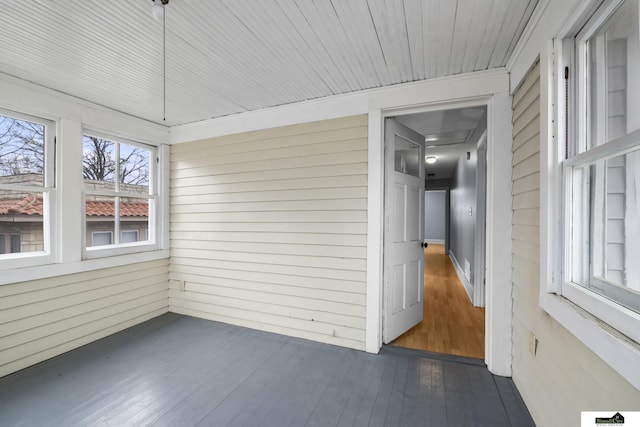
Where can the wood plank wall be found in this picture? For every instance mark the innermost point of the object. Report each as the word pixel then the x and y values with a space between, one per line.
pixel 268 230
pixel 526 216
pixel 564 377
pixel 43 318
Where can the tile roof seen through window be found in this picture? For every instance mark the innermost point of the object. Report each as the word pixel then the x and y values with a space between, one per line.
pixel 32 205
pixel 29 205
pixel 96 208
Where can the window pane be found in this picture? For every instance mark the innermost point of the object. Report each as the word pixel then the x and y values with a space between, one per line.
pixel 116 174
pixel 16 245
pixel 21 218
pixel 101 238
pixel 100 220
pixel 98 163
pixel 21 152
pixel 129 236
pixel 134 218
pixel 614 91
pixel 134 168
pixel 407 157
pixel 3 245
pixel 606 231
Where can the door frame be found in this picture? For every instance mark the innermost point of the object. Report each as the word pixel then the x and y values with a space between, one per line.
pixel 481 214
pixel 498 312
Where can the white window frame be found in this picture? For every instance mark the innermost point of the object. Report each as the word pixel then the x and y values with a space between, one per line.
pixel 151 244
pixel 607 328
pixel 9 261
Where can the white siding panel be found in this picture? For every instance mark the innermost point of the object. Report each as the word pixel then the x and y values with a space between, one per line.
pixel 201 274
pixel 44 318
pixel 268 230
pixel 527 183
pixel 326 216
pixel 338 202
pixel 300 161
pixel 332 171
pixel 272 248
pixel 526 216
pixel 563 377
pixel 303 271
pixel 247 188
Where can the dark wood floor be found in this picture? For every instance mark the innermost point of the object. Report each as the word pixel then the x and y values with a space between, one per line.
pixel 181 371
pixel 450 323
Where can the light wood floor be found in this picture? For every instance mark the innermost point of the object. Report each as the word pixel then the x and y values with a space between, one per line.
pixel 451 324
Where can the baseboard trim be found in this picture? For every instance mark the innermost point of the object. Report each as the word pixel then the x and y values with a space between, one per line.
pixel 435 241
pixel 467 285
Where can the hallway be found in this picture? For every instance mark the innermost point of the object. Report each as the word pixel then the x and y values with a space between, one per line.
pixel 451 324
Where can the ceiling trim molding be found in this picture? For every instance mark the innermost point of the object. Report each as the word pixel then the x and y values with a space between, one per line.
pixel 533 23
pixel 30 98
pixel 437 90
pixel 550 19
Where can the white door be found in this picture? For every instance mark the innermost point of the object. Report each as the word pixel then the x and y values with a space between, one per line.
pixel 403 234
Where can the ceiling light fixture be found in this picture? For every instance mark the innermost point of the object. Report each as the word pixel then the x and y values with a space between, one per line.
pixel 430 159
pixel 157 10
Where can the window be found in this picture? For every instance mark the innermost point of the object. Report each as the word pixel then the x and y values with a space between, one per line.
pixel 16 244
pixel 101 238
pixel 120 193
pixel 602 169
pixel 129 236
pixel 26 184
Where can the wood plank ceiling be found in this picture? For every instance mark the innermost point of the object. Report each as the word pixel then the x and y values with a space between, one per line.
pixel 229 56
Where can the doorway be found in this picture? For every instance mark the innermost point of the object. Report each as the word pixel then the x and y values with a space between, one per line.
pixel 453 280
pixel 450 324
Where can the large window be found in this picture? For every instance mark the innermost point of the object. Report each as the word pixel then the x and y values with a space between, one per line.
pixel 602 168
pixel 120 193
pixel 26 184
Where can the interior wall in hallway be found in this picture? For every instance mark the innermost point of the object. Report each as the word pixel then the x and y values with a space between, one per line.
pixel 463 207
pixel 434 216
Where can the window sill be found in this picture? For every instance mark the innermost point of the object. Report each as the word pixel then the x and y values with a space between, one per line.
pixel 16 275
pixel 109 251
pixel 24 260
pixel 616 349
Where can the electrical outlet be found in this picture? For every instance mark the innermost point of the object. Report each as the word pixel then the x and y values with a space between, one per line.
pixel 178 284
pixel 533 344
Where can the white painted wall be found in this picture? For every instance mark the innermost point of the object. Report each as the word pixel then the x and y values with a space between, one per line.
pixel 463 216
pixel 434 216
pixel 463 213
pixel 269 230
